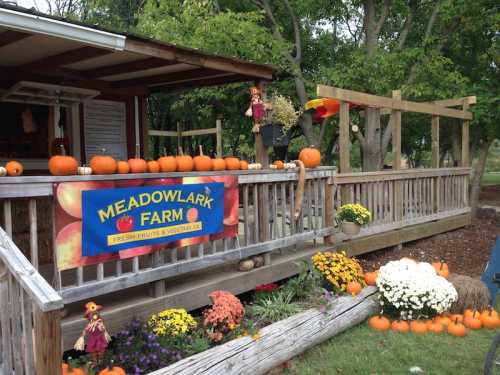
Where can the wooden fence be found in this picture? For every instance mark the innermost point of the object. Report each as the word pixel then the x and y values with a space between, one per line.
pixel 396 199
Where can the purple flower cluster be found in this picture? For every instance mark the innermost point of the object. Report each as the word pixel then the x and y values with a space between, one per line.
pixel 137 350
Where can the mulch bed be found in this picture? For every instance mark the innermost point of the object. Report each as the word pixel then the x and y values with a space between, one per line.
pixel 466 250
pixel 490 195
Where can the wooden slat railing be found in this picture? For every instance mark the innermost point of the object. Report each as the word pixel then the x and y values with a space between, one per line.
pixel 29 316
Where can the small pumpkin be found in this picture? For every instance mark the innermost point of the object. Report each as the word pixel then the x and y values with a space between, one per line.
pixel 455 328
pixel 14 168
pixel 184 162
pixel 279 164
pixel 473 321
pixel 218 164
pixel 489 319
pixel 400 326
pixel 232 163
pixel 310 156
pixel 379 323
pixel 441 268
pixel 371 278
pixel 63 165
pixel 153 166
pixel 111 369
pixel 103 164
pixel 137 165
pixel 434 327
pixel 246 265
pixel 3 172
pixel 353 288
pixel 470 313
pixel 84 171
pixel 243 165
pixel 67 369
pixel 418 326
pixel 123 167
pixel 457 317
pixel 167 163
pixel 202 162
pixel 443 320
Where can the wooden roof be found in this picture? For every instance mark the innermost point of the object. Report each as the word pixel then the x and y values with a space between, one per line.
pixel 135 66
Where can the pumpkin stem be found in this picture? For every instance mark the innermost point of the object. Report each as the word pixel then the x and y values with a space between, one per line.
pixel 70 368
pixel 442 261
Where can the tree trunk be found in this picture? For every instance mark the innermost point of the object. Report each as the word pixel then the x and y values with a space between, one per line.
pixel 372 148
pixel 484 147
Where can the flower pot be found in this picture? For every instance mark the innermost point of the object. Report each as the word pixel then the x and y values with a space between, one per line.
pixel 349 228
pixel 273 135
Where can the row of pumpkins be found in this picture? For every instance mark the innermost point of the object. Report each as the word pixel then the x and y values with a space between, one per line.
pixel 63 165
pixel 455 324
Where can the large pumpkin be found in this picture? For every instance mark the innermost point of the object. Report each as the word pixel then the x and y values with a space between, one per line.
pixel 112 370
pixel 137 165
pixel 218 164
pixel 310 156
pixel 122 167
pixel 232 163
pixel 14 168
pixel 103 164
pixel 185 163
pixel 69 370
pixel 167 163
pixel 153 166
pixel 202 162
pixel 60 165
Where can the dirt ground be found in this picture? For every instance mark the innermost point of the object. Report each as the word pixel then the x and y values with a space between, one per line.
pixel 466 250
pixel 490 195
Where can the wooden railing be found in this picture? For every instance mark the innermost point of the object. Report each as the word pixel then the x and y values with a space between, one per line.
pixel 29 316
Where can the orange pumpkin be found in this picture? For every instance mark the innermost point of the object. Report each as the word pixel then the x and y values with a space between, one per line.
pixel 379 323
pixel 202 162
pixel 61 165
pixel 232 163
pixel 279 164
pixel 310 156
pixel 69 370
pixel 418 326
pixel 218 164
pixel 103 164
pixel 371 278
pixel 122 167
pixel 443 319
pixel 434 327
pixel 457 317
pixel 138 165
pixel 455 328
pixel 470 313
pixel 153 166
pixel 184 162
pixel 353 288
pixel 441 268
pixel 167 163
pixel 243 165
pixel 112 370
pixel 473 321
pixel 400 326
pixel 14 168
pixel 489 319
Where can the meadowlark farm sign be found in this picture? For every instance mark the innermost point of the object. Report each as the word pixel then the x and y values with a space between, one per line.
pixel 97 221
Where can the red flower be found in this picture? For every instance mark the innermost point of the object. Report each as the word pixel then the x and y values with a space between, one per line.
pixel 266 288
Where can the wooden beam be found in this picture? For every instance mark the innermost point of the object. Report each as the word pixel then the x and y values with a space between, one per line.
pixel 344 142
pixel 67 58
pixel 172 78
pixel 435 142
pixel 471 100
pixel 396 133
pixel 383 102
pixel 128 67
pixel 465 137
pixel 175 87
pixel 170 52
pixel 12 36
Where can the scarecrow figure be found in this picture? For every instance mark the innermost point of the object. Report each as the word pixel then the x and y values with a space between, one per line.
pixel 95 333
pixel 257 109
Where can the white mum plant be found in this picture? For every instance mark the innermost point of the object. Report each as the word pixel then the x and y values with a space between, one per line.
pixel 411 290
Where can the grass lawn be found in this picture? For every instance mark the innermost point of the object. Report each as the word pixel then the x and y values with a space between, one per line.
pixel 361 350
pixel 491 179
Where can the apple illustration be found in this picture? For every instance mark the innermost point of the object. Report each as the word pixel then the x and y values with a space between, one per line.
pixel 192 215
pixel 135 251
pixel 69 195
pixel 125 224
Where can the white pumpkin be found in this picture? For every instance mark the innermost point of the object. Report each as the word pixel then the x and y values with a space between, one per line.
pixel 3 172
pixel 255 166
pixel 84 171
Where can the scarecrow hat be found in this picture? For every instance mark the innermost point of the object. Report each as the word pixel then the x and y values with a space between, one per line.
pixel 254 91
pixel 91 308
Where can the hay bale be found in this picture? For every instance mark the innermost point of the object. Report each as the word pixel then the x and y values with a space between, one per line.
pixel 472 293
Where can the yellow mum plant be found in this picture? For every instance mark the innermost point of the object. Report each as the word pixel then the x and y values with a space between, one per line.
pixel 337 269
pixel 172 322
pixel 354 213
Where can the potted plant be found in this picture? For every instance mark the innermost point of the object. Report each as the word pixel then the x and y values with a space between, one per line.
pixel 351 217
pixel 281 117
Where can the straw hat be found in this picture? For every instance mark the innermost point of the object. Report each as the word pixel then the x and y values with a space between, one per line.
pixel 91 308
pixel 254 91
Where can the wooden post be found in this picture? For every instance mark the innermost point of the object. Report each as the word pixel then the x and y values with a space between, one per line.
pixel 179 135
pixel 344 147
pixel 435 162
pixel 329 212
pixel 144 126
pixel 465 137
pixel 261 155
pixel 218 136
pixel 48 344
pixel 396 157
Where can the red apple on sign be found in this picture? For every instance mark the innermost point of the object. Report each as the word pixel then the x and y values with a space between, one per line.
pixel 125 224
pixel 192 215
pixel 69 194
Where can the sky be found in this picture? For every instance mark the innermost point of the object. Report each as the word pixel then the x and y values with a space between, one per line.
pixel 41 5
